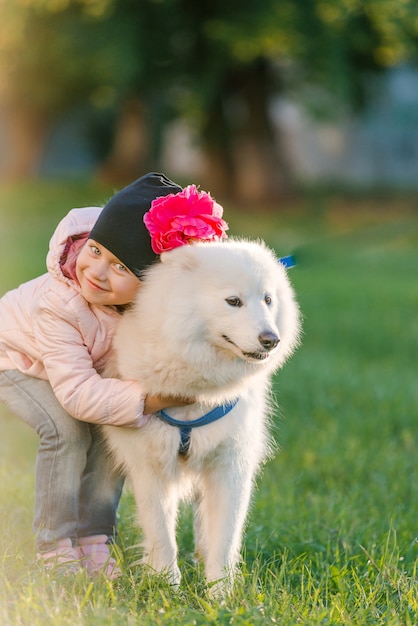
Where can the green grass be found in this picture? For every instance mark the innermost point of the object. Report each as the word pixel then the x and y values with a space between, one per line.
pixel 332 534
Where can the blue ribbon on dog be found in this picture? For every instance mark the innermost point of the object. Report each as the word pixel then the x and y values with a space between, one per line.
pixel 288 261
pixel 186 427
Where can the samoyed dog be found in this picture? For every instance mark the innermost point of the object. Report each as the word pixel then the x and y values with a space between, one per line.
pixel 212 322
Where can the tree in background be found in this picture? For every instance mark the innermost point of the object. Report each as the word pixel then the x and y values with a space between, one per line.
pixel 55 56
pixel 135 65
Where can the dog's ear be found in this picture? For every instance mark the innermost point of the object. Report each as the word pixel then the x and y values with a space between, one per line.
pixel 183 256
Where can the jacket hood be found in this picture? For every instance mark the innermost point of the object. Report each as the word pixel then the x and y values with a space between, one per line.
pixel 77 222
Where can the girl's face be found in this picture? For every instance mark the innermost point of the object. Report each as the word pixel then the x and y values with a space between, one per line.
pixel 103 279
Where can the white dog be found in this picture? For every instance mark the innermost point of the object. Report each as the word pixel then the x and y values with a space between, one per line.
pixel 212 321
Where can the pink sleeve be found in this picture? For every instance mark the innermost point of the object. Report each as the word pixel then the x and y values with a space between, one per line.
pixel 69 367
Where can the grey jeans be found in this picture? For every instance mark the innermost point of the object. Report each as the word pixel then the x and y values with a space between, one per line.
pixel 77 491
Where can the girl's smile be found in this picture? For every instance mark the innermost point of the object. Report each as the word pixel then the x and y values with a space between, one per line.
pixel 103 278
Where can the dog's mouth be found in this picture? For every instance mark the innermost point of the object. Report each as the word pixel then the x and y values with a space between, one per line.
pixel 258 355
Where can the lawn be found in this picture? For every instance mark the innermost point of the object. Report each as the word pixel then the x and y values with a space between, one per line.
pixel 332 534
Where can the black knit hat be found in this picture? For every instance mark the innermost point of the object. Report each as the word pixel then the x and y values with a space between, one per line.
pixel 120 227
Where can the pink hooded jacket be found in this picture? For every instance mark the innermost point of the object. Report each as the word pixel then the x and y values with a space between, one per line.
pixel 49 331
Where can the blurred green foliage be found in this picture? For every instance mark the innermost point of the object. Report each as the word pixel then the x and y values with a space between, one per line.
pixel 213 63
pixel 60 51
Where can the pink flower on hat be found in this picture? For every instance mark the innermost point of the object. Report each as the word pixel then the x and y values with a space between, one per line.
pixel 178 219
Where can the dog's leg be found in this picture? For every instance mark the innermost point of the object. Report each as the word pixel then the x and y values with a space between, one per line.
pixel 198 530
pixel 223 507
pixel 157 506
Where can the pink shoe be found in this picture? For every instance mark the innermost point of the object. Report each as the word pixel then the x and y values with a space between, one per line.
pixel 96 556
pixel 64 558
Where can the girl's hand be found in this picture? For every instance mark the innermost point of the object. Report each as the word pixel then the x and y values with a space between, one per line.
pixel 153 404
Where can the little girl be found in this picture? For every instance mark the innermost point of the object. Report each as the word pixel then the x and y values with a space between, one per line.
pixel 55 338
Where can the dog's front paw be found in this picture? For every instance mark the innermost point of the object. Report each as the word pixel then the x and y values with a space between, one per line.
pixel 170 573
pixel 173 576
pixel 221 588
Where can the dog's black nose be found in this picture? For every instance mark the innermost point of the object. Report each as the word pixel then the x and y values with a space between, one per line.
pixel 268 340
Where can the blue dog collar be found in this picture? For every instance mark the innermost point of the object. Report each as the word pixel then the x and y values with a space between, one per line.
pixel 186 427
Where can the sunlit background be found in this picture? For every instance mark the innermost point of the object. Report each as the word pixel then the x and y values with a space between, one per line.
pixel 250 98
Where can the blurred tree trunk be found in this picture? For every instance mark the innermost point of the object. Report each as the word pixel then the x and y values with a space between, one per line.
pixel 26 135
pixel 129 155
pixel 244 160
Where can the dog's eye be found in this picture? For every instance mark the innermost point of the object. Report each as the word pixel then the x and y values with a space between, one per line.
pixel 267 299
pixel 234 301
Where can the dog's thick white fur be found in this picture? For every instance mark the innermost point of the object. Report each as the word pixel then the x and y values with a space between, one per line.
pixel 212 321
